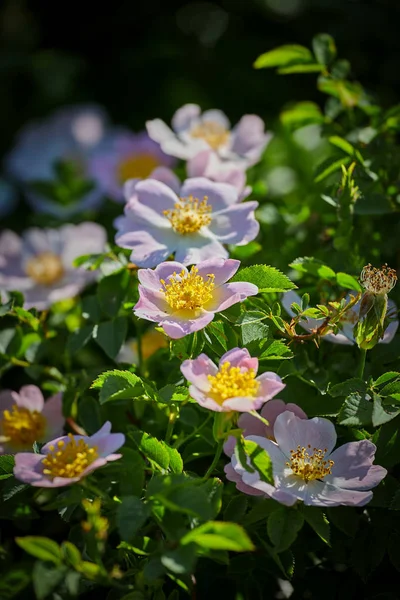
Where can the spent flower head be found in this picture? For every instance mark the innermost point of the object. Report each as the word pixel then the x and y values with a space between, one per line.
pixel 378 281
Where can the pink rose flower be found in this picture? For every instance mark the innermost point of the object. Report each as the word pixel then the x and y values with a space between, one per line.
pixel 183 301
pixel 68 459
pixel 193 220
pixel 26 418
pixel 233 385
pixel 306 468
pixel 193 131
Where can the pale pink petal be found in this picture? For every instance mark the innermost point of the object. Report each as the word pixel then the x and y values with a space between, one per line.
pixel 232 475
pixel 52 411
pixel 198 248
pixel 159 131
pixel 219 195
pixel 196 371
pixel 319 493
pixel 270 412
pixel 151 279
pixel 215 115
pixel 236 225
pixel 184 116
pixel 108 443
pixel 249 138
pixel 28 467
pixel 222 269
pixel 290 431
pixel 176 329
pixel 30 397
pixel 251 425
pixel 7 400
pixel 239 357
pixel 270 385
pixel 230 444
pixel 149 247
pixel 244 403
pixel 151 302
pixel 168 177
pixel 229 294
pixel 353 468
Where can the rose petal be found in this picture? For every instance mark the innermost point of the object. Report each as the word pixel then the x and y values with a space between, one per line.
pixel 29 397
pixel 179 328
pixel 353 468
pixel 219 195
pixel 196 371
pixel 229 294
pixel 291 431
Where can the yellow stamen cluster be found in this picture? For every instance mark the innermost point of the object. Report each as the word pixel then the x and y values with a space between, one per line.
pixel 310 466
pixel 136 165
pixel 231 382
pixel 22 427
pixel 68 459
pixel 212 132
pixel 189 215
pixel 188 291
pixel 45 268
pixel 378 281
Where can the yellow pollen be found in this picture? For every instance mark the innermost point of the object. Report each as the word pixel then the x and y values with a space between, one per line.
pixel 22 427
pixel 378 281
pixel 310 466
pixel 188 291
pixel 136 165
pixel 212 132
pixel 45 268
pixel 68 459
pixel 189 215
pixel 231 382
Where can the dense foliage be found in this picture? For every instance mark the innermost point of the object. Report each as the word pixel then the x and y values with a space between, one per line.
pixel 216 346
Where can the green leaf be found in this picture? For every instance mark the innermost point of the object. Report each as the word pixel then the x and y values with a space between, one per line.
pixel 387 377
pixel 356 411
pixel 218 535
pixel 316 518
pixel 111 335
pixel 236 509
pixel 71 554
pixel 179 560
pixel 79 338
pixel 90 414
pixel 283 526
pixel 7 463
pixel 348 281
pixel 172 393
pixel 313 266
pixel 40 547
pixel 175 459
pixel 309 68
pixel 111 292
pixel 344 518
pixel 344 145
pixel 132 513
pixel 267 279
pixel 301 114
pixel 284 56
pixel 118 385
pixel 324 48
pixel 330 166
pixel 27 317
pixel 260 460
pixel 152 448
pixel 46 579
pixel 275 350
pixel 381 414
pixel 348 387
pixel 13 581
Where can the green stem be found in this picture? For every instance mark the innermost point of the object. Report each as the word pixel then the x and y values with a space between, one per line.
pixel 215 461
pixel 193 434
pixel 171 422
pixel 361 364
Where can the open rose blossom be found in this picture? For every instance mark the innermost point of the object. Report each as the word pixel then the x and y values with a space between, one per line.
pixel 193 131
pixel 26 418
pixel 183 301
pixel 123 155
pixel 68 459
pixel 233 385
pixel 65 138
pixel 305 466
pixel 193 221
pixel 39 264
pixel 346 334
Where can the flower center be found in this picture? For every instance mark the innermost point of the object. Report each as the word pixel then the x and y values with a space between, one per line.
pixel 22 426
pixel 310 466
pixel 136 165
pixel 212 132
pixel 45 268
pixel 188 291
pixel 69 459
pixel 231 382
pixel 378 281
pixel 189 215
